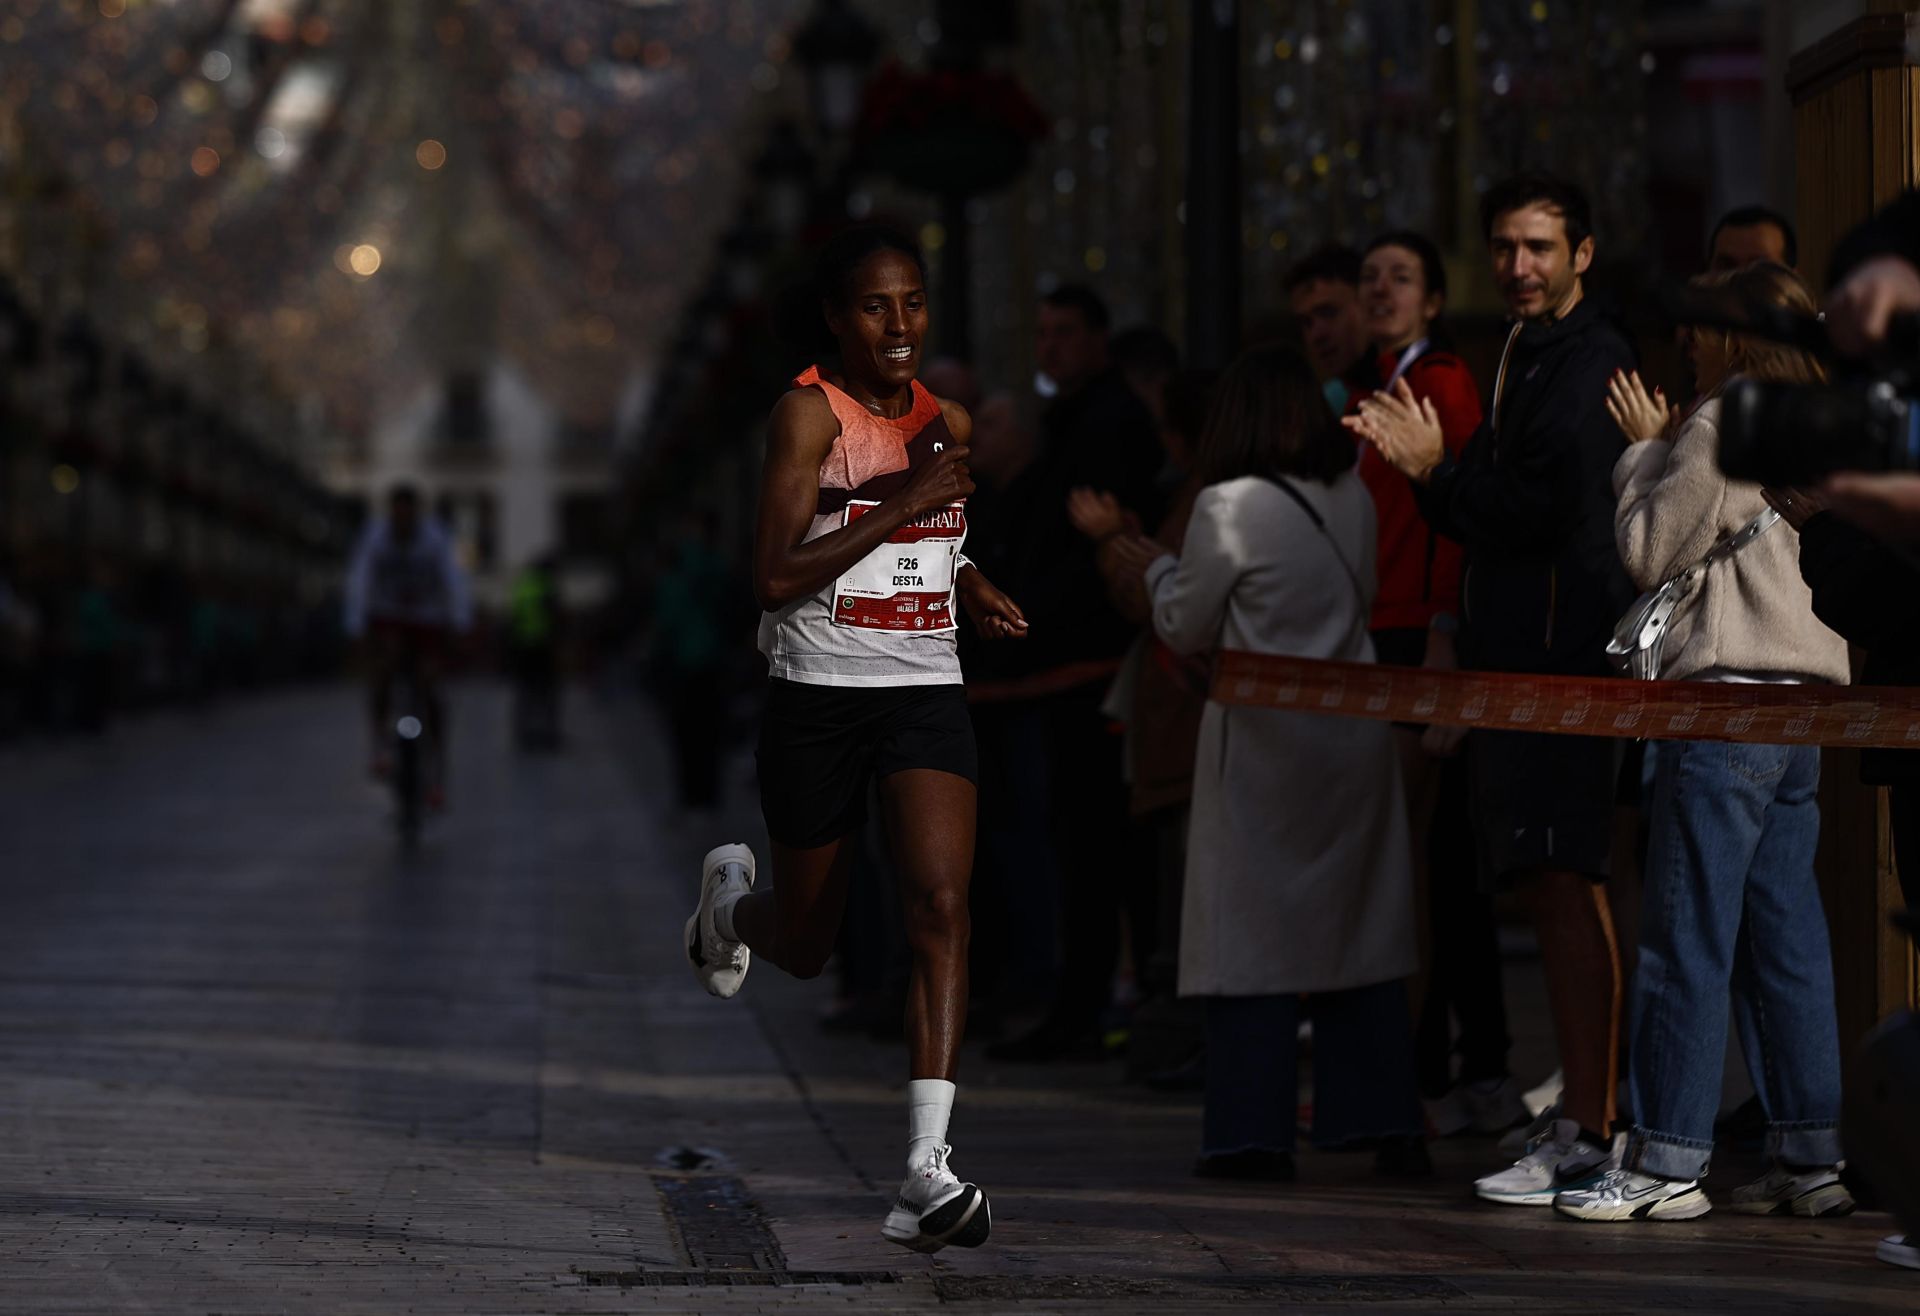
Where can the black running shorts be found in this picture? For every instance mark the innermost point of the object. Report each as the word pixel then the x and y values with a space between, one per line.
pixel 1543 803
pixel 821 746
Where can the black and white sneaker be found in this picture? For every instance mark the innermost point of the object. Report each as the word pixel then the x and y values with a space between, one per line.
pixel 935 1210
pixel 719 964
pixel 1815 1194
pixel 1901 1250
pixel 1625 1195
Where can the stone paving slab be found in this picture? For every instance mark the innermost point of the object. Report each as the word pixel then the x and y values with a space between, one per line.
pixel 253 1059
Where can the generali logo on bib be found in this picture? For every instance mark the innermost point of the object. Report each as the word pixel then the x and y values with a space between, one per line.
pixel 948 522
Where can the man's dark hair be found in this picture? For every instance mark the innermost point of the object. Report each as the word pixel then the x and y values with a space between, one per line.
pixel 403 495
pixel 1432 267
pixel 1335 262
pixel 1143 350
pixel 1750 216
pixel 1556 194
pixel 1269 418
pixel 1079 297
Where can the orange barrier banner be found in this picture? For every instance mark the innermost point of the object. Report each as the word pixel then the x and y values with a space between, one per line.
pixel 1866 716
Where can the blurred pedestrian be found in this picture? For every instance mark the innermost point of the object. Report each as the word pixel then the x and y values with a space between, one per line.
pixel 1159 696
pixel 1323 291
pixel 1403 289
pixel 534 628
pixel 1748 235
pixel 1096 433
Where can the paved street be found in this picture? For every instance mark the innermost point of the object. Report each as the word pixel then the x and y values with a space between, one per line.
pixel 254 1059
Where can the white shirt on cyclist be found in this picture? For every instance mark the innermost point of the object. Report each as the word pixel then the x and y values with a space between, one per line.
pixel 417 581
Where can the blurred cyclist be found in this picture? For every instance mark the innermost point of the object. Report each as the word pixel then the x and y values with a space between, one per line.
pixel 407 595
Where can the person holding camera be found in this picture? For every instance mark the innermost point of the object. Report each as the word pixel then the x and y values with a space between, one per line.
pixel 1732 907
pixel 1876 283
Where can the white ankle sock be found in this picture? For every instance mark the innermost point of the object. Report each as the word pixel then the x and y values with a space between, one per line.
pixel 929 1107
pixel 723 914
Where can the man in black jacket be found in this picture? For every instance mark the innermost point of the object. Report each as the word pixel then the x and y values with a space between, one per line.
pixel 1098 434
pixel 1531 499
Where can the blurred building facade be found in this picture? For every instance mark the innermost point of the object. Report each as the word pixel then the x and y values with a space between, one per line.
pixel 504 469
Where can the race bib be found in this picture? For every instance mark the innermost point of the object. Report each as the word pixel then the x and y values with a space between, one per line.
pixel 906 584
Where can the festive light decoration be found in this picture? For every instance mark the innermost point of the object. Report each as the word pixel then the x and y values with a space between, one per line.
pixel 561 153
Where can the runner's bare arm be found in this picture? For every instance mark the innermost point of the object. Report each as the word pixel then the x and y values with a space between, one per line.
pixel 799 438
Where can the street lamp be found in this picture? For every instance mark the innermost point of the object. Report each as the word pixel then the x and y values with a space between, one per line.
pixel 836 47
pixel 783 173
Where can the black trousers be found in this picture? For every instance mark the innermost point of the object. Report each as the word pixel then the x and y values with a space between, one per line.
pixel 1103 865
pixel 1903 811
pixel 1464 983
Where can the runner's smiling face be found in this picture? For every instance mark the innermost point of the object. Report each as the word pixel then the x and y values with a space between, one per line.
pixel 880 323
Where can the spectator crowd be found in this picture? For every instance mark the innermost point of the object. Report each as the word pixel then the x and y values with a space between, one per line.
pixel 1211 889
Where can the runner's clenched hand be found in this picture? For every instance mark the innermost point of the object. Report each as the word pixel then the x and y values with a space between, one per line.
pixel 941 480
pixel 994 615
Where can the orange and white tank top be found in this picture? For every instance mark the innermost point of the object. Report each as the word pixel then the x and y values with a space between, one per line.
pixel 890 619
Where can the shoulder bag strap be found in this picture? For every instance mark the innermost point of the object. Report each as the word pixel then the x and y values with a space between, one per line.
pixel 1319 522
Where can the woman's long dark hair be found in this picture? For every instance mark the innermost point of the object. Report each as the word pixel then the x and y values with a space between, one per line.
pixel 1270 418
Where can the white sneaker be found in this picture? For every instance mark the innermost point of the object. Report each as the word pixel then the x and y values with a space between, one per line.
pixel 935 1209
pixel 1558 1160
pixel 719 964
pixel 1899 1250
pixel 1816 1194
pixel 1494 1105
pixel 1547 1095
pixel 1625 1195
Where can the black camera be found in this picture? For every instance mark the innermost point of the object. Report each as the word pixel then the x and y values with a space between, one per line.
pixel 1784 434
pixel 1868 419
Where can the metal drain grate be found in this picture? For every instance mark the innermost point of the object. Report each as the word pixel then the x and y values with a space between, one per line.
pixel 719 1226
pixel 1283 1290
pixel 733 1279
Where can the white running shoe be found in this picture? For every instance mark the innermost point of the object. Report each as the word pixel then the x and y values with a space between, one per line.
pixel 1816 1194
pixel 1494 1105
pixel 1899 1250
pixel 1625 1195
pixel 1557 1160
pixel 935 1209
pixel 719 964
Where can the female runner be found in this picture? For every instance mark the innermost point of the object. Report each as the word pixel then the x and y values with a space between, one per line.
pixel 857 565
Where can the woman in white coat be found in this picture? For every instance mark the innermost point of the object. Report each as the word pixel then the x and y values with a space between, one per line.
pixel 1299 874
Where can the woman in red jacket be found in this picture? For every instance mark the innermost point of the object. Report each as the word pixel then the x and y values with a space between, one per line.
pixel 1403 289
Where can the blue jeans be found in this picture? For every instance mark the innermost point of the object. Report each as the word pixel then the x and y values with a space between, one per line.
pixel 1362 1069
pixel 1732 909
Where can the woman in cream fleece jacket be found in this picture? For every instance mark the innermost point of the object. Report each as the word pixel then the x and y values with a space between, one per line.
pixel 1731 906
